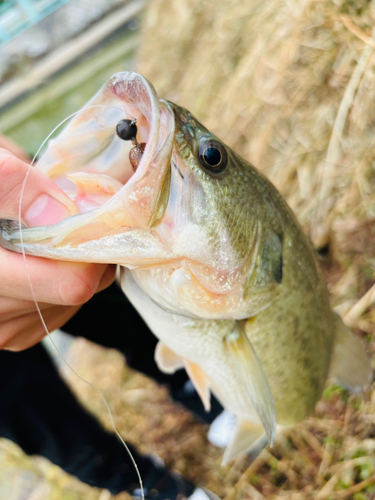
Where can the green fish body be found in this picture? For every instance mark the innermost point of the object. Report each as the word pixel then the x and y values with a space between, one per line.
pixel 212 257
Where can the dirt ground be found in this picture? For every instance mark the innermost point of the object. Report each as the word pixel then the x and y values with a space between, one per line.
pixel 329 456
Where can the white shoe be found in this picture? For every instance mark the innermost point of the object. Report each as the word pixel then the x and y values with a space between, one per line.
pixel 222 429
pixel 203 494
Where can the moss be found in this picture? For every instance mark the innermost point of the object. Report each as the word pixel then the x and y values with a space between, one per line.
pixel 355 7
pixel 335 390
pixel 255 479
pixel 360 496
pixel 359 453
pixel 332 441
pixel 365 471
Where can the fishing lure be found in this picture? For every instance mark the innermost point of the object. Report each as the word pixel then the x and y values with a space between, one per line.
pixel 127 131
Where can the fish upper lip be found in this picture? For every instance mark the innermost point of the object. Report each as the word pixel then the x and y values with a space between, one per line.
pixel 138 98
pixel 134 89
pixel 138 196
pixel 140 191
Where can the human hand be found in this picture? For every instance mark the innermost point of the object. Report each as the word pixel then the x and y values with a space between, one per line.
pixel 60 287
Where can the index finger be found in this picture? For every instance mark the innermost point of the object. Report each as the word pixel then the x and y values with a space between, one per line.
pixel 43 203
pixel 41 197
pixel 53 282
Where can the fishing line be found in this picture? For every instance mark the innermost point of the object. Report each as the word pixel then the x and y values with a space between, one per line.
pixel 37 305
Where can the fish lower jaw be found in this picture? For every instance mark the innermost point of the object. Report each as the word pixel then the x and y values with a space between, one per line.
pixel 175 289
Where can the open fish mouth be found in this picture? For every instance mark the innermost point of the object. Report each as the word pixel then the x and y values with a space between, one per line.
pixel 91 164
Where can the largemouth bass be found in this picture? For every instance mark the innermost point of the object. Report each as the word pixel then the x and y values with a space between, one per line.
pixel 211 256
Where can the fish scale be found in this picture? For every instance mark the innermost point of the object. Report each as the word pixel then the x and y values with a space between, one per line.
pixel 212 257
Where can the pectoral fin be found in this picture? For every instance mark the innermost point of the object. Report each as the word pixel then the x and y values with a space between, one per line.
pixel 249 369
pixel 168 362
pixel 248 437
pixel 200 382
pixel 166 359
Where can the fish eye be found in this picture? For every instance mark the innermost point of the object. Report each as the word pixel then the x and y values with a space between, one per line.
pixel 213 156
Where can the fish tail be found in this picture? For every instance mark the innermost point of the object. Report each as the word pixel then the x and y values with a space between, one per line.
pixel 249 438
pixel 350 366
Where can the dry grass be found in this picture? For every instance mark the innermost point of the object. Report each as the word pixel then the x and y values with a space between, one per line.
pixel 290 85
pixel 329 456
pixel 143 414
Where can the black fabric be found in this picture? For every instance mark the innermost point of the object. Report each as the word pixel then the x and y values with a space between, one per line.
pixel 161 484
pixel 41 415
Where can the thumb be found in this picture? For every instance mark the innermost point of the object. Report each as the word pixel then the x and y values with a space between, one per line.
pixel 43 202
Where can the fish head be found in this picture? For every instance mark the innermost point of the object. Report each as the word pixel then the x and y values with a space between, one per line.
pixel 216 204
pixel 192 208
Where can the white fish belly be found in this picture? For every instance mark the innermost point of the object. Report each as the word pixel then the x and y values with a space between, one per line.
pixel 198 341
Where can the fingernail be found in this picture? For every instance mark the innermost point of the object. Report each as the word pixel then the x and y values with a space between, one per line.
pixel 45 211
